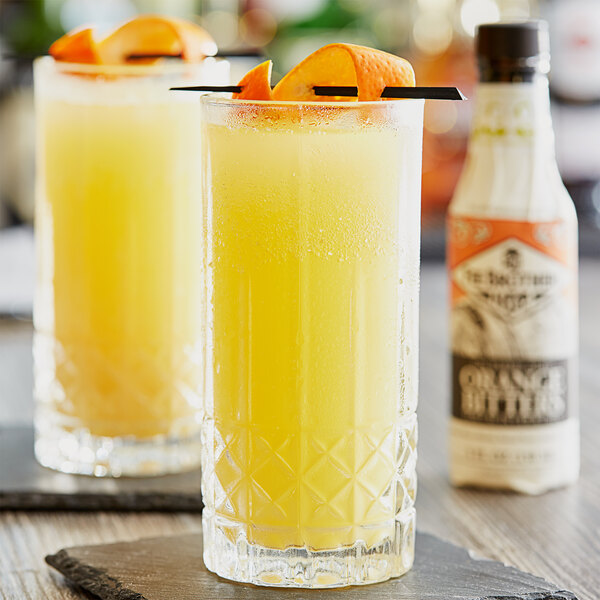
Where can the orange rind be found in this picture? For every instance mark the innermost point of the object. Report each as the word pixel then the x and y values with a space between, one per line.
pixel 256 84
pixel 77 46
pixel 368 69
pixel 156 35
pixel 148 37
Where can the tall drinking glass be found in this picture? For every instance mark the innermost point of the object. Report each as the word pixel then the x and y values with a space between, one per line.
pixel 117 311
pixel 309 425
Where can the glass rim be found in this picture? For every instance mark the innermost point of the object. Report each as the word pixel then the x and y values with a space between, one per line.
pixel 219 99
pixel 171 65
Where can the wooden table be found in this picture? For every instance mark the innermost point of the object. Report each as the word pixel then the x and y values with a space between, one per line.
pixel 556 535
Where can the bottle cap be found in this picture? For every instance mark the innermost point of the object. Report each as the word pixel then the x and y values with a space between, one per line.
pixel 513 51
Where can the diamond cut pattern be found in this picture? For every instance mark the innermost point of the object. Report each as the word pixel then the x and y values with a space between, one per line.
pixel 313 488
pixel 111 390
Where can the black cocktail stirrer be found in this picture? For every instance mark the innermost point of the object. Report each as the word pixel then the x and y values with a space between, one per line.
pixel 425 93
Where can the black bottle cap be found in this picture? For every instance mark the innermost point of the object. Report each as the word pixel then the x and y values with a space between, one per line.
pixel 514 51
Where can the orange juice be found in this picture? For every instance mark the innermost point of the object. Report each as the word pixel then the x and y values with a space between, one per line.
pixel 118 303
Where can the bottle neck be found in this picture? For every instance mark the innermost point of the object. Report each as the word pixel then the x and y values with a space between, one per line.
pixel 511 169
pixel 514 113
pixel 525 69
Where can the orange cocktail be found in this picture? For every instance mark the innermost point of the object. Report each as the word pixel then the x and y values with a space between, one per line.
pixel 118 304
pixel 312 223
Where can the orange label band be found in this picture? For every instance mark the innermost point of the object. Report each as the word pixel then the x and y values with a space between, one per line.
pixel 470 236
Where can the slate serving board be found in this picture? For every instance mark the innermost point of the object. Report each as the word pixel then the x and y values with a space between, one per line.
pixel 25 485
pixel 171 568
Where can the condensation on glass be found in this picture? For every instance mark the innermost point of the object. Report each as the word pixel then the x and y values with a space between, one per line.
pixel 309 425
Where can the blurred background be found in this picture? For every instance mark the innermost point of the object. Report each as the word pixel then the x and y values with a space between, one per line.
pixel 436 35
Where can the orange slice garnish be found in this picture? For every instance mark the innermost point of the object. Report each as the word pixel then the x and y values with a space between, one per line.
pixel 345 64
pixel 149 36
pixel 256 84
pixel 152 35
pixel 77 46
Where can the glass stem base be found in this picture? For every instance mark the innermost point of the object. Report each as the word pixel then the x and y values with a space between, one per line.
pixel 301 567
pixel 79 452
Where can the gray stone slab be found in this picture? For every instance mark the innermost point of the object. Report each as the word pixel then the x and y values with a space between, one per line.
pixel 25 485
pixel 171 568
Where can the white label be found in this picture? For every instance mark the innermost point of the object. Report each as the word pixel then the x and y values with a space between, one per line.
pixel 529 459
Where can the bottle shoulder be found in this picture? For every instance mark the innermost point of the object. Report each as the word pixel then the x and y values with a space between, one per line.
pixel 512 183
pixel 551 203
pixel 511 171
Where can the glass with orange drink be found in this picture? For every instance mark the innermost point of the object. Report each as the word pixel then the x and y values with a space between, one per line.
pixel 118 340
pixel 312 228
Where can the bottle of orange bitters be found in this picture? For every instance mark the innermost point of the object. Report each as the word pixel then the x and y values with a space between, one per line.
pixel 512 262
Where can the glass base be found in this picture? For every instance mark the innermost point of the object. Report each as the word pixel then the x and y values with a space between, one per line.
pixel 82 453
pixel 304 568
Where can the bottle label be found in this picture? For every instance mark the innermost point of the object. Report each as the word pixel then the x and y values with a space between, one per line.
pixel 510 392
pixel 514 320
